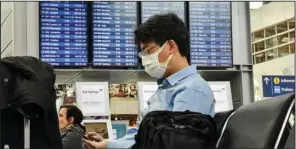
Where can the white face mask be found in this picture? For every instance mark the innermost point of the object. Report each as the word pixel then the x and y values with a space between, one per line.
pixel 152 65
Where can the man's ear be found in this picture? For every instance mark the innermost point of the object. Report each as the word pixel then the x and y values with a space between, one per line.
pixel 71 120
pixel 173 47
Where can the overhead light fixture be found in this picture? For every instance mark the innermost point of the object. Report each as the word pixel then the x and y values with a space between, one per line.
pixel 255 5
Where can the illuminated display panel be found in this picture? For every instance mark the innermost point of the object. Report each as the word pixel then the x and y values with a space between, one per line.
pixel 210 34
pixel 63 33
pixel 113 38
pixel 151 8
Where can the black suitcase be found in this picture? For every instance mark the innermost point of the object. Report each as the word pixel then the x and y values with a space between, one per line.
pixel 7 85
pixel 20 105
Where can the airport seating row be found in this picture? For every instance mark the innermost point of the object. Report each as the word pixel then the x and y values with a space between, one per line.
pixel 262 125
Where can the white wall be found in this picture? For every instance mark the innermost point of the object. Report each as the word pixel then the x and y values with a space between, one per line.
pixel 19 29
pixel 280 66
pixel 6 29
pixel 32 28
pixel 270 14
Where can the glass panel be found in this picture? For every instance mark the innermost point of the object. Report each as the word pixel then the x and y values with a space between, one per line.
pixel 270 31
pixel 271 42
pixel 283 39
pixel 258 35
pixel 271 54
pixel 283 51
pixel 259 46
pixel 292 48
pixel 291 24
pixel 282 27
pixel 292 36
pixel 260 57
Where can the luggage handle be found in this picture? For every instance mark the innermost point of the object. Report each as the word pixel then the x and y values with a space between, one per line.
pixel 192 128
pixel 172 119
pixel 23 113
pixel 27 129
pixel 27 133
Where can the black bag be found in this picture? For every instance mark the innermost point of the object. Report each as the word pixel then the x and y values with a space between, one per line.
pixel 28 91
pixel 176 130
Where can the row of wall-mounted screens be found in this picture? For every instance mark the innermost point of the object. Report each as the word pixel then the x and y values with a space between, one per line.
pixel 69 29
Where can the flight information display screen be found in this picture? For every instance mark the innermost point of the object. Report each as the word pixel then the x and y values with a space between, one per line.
pixel 113 38
pixel 151 8
pixel 210 34
pixel 63 33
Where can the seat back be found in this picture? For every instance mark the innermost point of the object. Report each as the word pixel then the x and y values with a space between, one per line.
pixel 220 119
pixel 290 144
pixel 257 125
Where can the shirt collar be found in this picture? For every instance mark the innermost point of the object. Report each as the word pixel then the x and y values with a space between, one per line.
pixel 173 79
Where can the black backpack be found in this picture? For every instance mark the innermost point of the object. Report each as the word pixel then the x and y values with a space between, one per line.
pixel 176 130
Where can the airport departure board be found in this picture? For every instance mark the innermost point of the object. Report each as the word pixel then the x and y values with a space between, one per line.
pixel 63 33
pixel 113 38
pixel 210 34
pixel 151 8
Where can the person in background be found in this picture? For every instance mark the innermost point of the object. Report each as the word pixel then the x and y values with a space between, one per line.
pixel 70 115
pixel 164 43
pixel 132 123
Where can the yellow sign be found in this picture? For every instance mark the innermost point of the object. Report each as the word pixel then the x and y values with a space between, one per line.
pixel 276 80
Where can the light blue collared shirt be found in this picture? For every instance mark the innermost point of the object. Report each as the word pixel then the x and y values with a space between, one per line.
pixel 184 90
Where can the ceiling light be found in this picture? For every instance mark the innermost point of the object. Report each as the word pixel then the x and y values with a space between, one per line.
pixel 255 5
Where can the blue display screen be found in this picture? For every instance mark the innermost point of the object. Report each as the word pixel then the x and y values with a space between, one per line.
pixel 210 34
pixel 151 8
pixel 63 33
pixel 113 38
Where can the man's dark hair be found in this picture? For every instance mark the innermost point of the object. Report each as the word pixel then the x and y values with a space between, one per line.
pixel 73 111
pixel 162 27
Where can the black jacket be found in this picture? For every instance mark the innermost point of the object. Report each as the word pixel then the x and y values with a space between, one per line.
pixel 71 139
pixel 32 94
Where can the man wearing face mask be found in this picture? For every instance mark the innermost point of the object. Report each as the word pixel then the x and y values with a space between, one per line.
pixel 164 43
